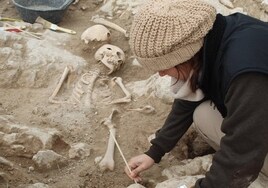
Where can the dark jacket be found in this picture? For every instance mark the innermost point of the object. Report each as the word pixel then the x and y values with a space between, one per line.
pixel 237 44
pixel 234 77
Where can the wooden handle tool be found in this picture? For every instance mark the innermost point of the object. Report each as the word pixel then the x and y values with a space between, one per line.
pixel 52 26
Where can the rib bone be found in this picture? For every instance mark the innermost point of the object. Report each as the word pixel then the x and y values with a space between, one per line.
pixel 110 24
pixel 107 163
pixel 78 90
pixel 125 99
pixel 93 76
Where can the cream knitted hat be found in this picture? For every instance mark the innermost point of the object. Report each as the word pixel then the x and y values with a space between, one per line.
pixel 165 33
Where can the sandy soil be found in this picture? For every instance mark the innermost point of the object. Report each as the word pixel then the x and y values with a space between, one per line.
pixel 29 105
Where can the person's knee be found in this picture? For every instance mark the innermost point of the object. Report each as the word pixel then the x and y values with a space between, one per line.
pixel 200 115
pixel 207 122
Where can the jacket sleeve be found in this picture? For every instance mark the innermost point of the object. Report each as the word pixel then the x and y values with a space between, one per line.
pixel 177 123
pixel 244 146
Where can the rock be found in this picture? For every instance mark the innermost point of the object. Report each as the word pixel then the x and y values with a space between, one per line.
pixel 38 185
pixel 179 182
pixel 189 167
pixel 135 185
pixel 20 140
pixel 80 150
pixel 190 170
pixel 32 70
pixel 264 5
pixel 224 8
pixel 154 86
pixel 48 159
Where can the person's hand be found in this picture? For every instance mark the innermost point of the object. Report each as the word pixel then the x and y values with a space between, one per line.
pixel 137 165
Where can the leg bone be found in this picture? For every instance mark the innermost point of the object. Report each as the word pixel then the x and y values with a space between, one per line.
pixel 107 163
pixel 55 92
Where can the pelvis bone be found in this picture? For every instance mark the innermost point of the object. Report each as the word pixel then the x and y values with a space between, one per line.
pixel 111 56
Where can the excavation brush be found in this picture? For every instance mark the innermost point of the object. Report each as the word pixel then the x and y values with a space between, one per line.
pixel 54 27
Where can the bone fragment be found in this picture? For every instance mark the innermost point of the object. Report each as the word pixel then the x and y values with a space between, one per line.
pixel 75 2
pixel 107 162
pixel 6 162
pixel 127 98
pixel 55 92
pixel 110 24
pixel 146 109
pixel 227 3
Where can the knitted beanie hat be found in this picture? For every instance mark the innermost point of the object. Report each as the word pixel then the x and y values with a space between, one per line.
pixel 165 33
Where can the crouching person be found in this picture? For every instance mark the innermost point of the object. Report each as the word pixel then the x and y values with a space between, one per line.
pixel 219 77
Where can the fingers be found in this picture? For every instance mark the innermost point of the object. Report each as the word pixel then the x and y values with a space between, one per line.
pixel 137 165
pixel 133 176
pixel 136 171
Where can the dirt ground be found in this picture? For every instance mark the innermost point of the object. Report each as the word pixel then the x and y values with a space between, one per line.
pixel 30 106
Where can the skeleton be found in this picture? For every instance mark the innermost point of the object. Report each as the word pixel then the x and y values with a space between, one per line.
pixel 86 79
pixel 111 56
pixel 146 109
pixel 127 98
pixel 95 33
pixel 107 162
pixel 110 24
pixel 66 71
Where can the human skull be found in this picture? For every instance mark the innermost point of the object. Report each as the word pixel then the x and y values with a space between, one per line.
pixel 95 33
pixel 111 56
